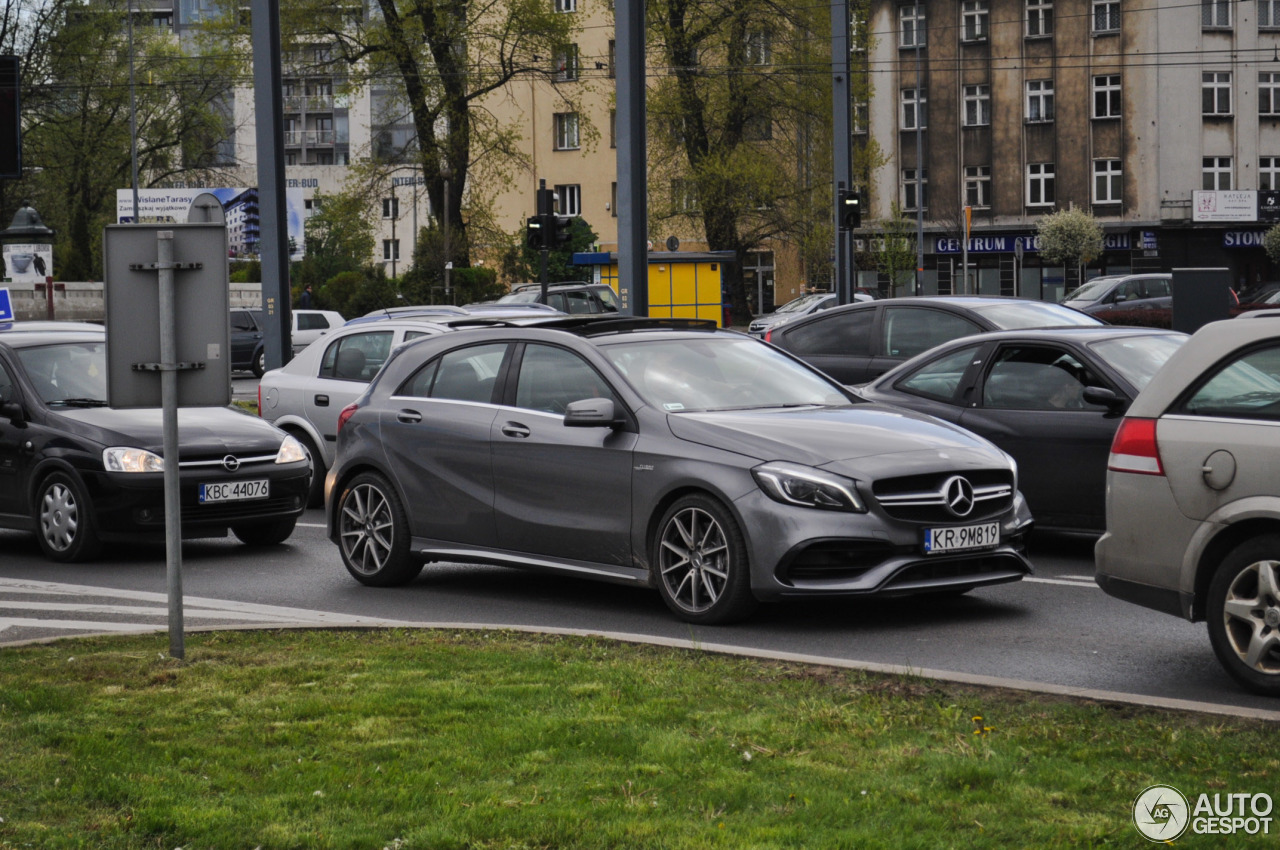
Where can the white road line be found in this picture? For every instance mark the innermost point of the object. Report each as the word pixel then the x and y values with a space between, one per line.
pixel 80 625
pixel 313 525
pixel 1077 582
pixel 135 610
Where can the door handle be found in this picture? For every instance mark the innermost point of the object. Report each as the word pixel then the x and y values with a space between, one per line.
pixel 515 430
pixel 322 401
pixel 409 417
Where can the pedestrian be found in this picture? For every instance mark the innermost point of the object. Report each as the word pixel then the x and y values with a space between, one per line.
pixel 304 301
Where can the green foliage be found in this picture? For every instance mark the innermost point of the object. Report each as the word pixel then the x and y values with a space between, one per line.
pixel 354 293
pixel 247 272
pixel 522 264
pixel 893 249
pixel 1271 243
pixel 339 236
pixel 1070 238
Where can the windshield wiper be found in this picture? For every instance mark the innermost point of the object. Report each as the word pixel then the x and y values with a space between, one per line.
pixel 80 402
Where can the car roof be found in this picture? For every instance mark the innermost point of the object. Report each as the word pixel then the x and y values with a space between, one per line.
pixel 1206 346
pixel 61 327
pixel 1083 334
pixel 563 284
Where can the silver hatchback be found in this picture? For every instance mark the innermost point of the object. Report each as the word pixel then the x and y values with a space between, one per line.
pixel 1193 498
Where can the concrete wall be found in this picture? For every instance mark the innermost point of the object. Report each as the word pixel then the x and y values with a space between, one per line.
pixel 82 302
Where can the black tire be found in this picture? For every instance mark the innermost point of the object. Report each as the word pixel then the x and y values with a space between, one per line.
pixel 373 533
pixel 700 563
pixel 259 366
pixel 64 520
pixel 315 496
pixel 1244 614
pixel 266 533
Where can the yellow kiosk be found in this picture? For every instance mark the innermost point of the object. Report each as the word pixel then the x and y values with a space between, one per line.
pixel 682 284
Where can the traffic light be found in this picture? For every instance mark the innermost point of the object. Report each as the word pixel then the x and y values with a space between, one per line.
pixel 534 232
pixel 850 210
pixel 560 229
pixel 10 120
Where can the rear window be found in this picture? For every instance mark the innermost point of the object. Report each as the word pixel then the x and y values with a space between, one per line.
pixel 1014 315
pixel 1245 388
pixel 1137 358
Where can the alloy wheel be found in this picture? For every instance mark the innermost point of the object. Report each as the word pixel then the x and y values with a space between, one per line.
pixel 1251 616
pixel 367 529
pixel 694 560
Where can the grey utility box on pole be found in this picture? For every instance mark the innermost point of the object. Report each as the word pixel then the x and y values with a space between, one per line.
pixel 201 314
pixel 1200 296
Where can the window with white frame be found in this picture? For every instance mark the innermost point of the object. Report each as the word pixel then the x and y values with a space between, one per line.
pixel 1040 184
pixel 974 19
pixel 390 249
pixel 1106 16
pixel 1215 14
pixel 1039 100
pixel 566 129
pixel 1269 94
pixel 1269 173
pixel 1268 14
pixel 915 109
pixel 1217 172
pixel 759 48
pixel 911 25
pixel 1039 18
pixel 977 186
pixel 1215 93
pixel 566 5
pixel 977 105
pixel 1106 96
pixel 684 195
pixel 1106 181
pixel 390 207
pixel 915 193
pixel 861 117
pixel 565 67
pixel 568 199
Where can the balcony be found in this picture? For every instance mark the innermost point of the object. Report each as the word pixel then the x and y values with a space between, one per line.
pixel 308 103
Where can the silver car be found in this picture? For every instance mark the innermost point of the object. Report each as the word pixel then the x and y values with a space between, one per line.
pixel 666 454
pixel 1193 499
pixel 797 307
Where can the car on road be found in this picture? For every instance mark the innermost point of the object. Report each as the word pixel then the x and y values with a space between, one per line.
pixel 1193 499
pixel 248 348
pixel 80 474
pixel 858 342
pixel 1114 296
pixel 577 296
pixel 1051 398
pixel 797 307
pixel 310 325
pixel 667 454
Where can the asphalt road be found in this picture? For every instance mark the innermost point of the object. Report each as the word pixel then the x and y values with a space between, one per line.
pixel 1057 629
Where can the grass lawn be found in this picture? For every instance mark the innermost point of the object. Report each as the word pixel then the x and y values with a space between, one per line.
pixel 433 739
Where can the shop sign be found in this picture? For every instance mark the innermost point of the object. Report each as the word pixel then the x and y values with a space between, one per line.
pixel 1269 205
pixel 1242 238
pixel 1216 205
pixel 986 244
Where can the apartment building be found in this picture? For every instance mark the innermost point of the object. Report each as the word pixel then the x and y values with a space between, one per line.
pixel 1160 117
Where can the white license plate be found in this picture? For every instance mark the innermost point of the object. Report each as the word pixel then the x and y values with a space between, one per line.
pixel 983 536
pixel 235 491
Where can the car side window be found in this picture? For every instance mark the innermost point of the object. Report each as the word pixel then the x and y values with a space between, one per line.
pixel 464 374
pixel 847 333
pixel 356 357
pixel 241 320
pixel 1036 378
pixel 1158 288
pixel 551 378
pixel 909 331
pixel 312 322
pixel 939 379
pixel 7 392
pixel 580 302
pixel 556 300
pixel 1247 387
pixel 608 301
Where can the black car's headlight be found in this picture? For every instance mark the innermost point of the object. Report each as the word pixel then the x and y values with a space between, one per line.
pixel 794 484
pixel 129 459
pixel 290 451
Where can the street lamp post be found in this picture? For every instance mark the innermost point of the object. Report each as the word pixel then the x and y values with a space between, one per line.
pixel 444 223
pixel 395 214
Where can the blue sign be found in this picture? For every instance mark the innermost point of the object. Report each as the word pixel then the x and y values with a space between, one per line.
pixel 6 306
pixel 1242 238
pixel 1008 243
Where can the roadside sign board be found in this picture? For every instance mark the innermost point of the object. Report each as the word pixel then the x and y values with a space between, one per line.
pixel 6 306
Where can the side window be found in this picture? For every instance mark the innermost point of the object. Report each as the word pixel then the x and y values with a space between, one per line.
pixel 911 330
pixel 550 378
pixel 466 374
pixel 7 392
pixel 556 300
pixel 608 299
pixel 1036 378
pixel 408 335
pixel 1158 288
pixel 356 357
pixel 580 302
pixel 847 333
pixel 312 322
pixel 242 321
pixel 939 379
pixel 1247 387
pixel 1129 290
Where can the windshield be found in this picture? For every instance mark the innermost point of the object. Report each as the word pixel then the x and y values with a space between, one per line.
pixel 528 296
pixel 804 302
pixel 1137 358
pixel 719 373
pixel 1091 291
pixel 1014 315
pixel 68 374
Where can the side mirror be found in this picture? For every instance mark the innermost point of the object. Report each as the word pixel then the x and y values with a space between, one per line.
pixel 592 413
pixel 13 411
pixel 1103 397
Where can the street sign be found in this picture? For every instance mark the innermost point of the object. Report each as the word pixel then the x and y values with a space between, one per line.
pixel 6 306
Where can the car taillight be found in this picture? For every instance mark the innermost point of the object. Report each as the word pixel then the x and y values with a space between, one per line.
pixel 346 414
pixel 259 401
pixel 1134 448
pixel 768 335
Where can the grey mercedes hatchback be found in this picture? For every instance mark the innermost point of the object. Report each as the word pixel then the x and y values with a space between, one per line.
pixel 667 454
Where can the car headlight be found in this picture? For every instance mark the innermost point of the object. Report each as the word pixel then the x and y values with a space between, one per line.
pixel 126 459
pixel 793 484
pixel 291 451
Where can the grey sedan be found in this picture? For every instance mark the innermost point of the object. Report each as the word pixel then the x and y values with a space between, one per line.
pixel 665 454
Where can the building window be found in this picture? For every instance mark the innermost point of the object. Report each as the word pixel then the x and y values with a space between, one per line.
pixel 613 58
pixel 1106 16
pixel 1215 91
pixel 759 48
pixel 861 117
pixel 977 106
pixel 758 127
pixel 566 64
pixel 566 5
pixel 1039 18
pixel 613 128
pixel 569 199
pixel 1040 188
pixel 977 186
pixel 1269 173
pixel 915 195
pixel 1215 14
pixel 1040 100
pixel 1269 94
pixel 613 199
pixel 915 109
pixel 1268 14
pixel 911 26
pixel 1106 181
pixel 390 207
pixel 390 249
pixel 1217 172
pixel 1106 96
pixel 566 127
pixel 684 195
pixel 973 20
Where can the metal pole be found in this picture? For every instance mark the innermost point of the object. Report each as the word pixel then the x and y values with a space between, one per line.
pixel 169 422
pixel 633 157
pixel 841 127
pixel 133 119
pixel 268 101
pixel 395 214
pixel 448 261
pixel 919 166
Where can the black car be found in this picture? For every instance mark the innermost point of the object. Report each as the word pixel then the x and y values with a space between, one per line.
pixel 575 296
pixel 248 350
pixel 1050 398
pixel 79 473
pixel 858 342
